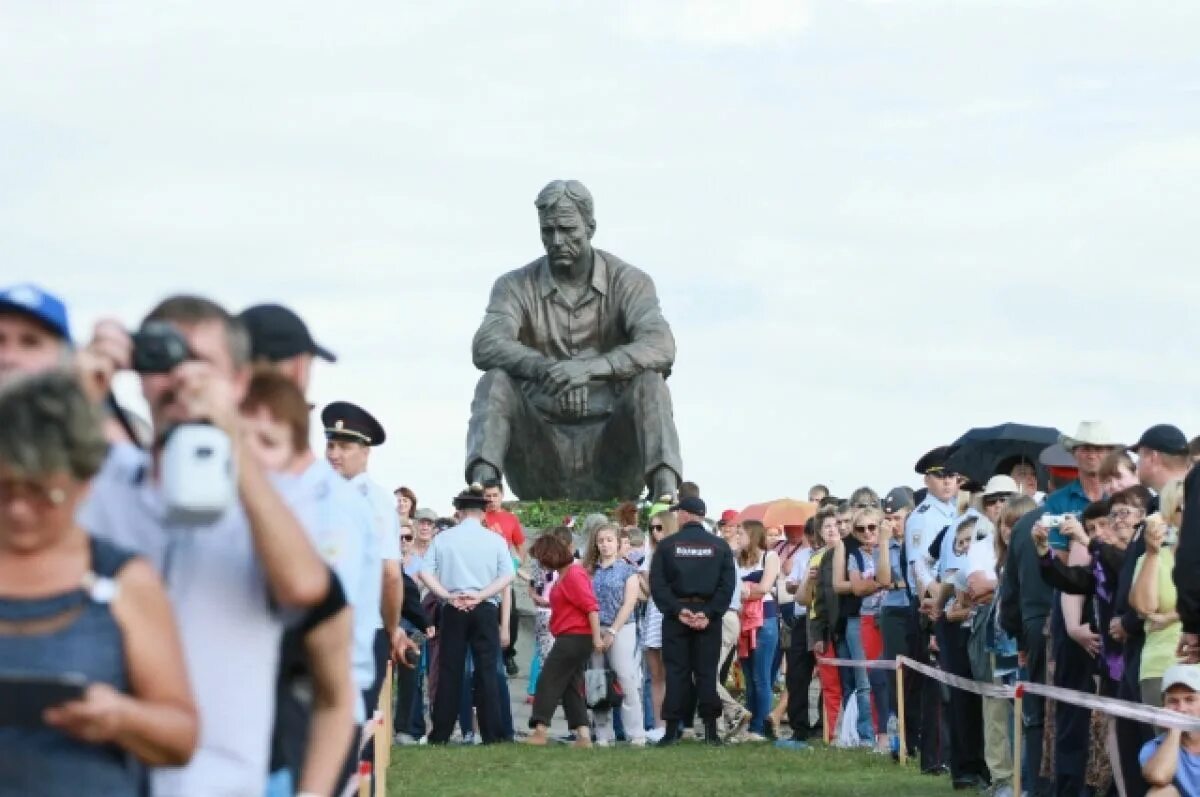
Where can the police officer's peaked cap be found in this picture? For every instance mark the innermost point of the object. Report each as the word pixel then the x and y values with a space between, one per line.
pixel 934 462
pixel 345 421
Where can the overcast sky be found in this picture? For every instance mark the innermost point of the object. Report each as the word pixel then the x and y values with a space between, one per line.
pixel 872 224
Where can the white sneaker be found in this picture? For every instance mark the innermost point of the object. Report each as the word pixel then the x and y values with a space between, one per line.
pixel 656 735
pixel 639 741
pixel 404 739
pixel 601 743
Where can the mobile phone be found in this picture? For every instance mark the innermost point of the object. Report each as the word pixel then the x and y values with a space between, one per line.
pixel 25 696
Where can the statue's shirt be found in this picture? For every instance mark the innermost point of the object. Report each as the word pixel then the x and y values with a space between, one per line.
pixel 529 322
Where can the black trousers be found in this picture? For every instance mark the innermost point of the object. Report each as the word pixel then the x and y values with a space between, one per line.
pixel 902 637
pixel 801 663
pixel 966 709
pixel 514 625
pixel 1132 735
pixel 383 651
pixel 1073 669
pixel 478 630
pixel 561 681
pixel 1034 707
pixel 691 661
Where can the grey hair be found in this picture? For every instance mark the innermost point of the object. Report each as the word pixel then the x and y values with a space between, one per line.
pixel 48 425
pixel 577 192
pixel 187 309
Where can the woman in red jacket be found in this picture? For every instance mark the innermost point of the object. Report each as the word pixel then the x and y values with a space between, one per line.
pixel 575 624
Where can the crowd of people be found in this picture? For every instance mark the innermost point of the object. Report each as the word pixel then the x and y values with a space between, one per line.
pixel 206 605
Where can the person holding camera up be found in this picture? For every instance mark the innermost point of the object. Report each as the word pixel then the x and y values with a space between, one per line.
pixel 205 513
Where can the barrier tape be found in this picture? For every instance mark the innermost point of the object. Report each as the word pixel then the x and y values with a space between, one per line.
pixel 966 684
pixel 869 664
pixel 1117 708
pixel 1138 712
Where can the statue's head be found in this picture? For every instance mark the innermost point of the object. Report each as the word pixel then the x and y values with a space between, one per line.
pixel 568 222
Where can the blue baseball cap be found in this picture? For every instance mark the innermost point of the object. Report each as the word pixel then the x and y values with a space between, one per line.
pixel 28 299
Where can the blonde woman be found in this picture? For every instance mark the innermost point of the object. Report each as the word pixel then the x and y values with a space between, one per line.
pixel 617 587
pixel 662 525
pixel 758 569
pixel 859 576
pixel 1153 593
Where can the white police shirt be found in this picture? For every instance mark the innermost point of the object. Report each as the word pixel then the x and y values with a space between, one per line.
pixel 343 531
pixel 922 526
pixel 386 520
pixel 229 630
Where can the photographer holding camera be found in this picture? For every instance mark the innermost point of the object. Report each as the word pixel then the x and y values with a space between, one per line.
pixel 206 515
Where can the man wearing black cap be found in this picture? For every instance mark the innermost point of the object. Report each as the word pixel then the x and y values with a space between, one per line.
pixel 692 579
pixel 935 512
pixel 280 337
pixel 468 567
pixel 350 433
pixel 1162 456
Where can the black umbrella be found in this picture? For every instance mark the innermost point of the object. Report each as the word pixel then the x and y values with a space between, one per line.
pixel 983 452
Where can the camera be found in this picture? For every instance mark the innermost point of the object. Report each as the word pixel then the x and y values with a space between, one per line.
pixel 158 348
pixel 1057 540
pixel 199 479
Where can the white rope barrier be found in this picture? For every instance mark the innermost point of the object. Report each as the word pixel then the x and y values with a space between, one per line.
pixel 868 664
pixel 966 684
pixel 1139 712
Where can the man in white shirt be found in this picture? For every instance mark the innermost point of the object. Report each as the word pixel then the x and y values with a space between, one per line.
pixel 350 433
pixel 468 567
pixel 229 579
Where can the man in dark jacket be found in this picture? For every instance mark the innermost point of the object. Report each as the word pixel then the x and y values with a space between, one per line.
pixel 692 579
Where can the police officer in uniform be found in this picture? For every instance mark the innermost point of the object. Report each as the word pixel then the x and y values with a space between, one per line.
pixel 692 579
pixel 935 512
pixel 350 433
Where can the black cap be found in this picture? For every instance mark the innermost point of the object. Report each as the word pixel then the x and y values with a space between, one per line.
pixel 471 498
pixel 934 462
pixel 277 333
pixel 691 504
pixel 1163 437
pixel 346 421
pixel 898 498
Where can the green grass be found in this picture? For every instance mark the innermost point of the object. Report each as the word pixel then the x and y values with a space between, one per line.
pixel 689 769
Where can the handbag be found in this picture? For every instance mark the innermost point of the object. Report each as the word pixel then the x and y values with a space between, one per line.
pixel 602 689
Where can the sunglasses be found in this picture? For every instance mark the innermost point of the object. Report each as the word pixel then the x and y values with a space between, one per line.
pixel 868 527
pixel 406 537
pixel 656 527
pixel 992 500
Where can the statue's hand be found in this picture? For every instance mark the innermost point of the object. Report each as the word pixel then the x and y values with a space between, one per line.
pixel 565 375
pixel 574 403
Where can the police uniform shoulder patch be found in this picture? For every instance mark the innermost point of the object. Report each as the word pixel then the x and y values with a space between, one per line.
pixel 922 509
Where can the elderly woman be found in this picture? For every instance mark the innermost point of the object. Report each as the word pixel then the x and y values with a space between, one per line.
pixel 73 604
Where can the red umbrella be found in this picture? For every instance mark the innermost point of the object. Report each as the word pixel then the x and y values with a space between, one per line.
pixel 788 513
pixel 784 512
